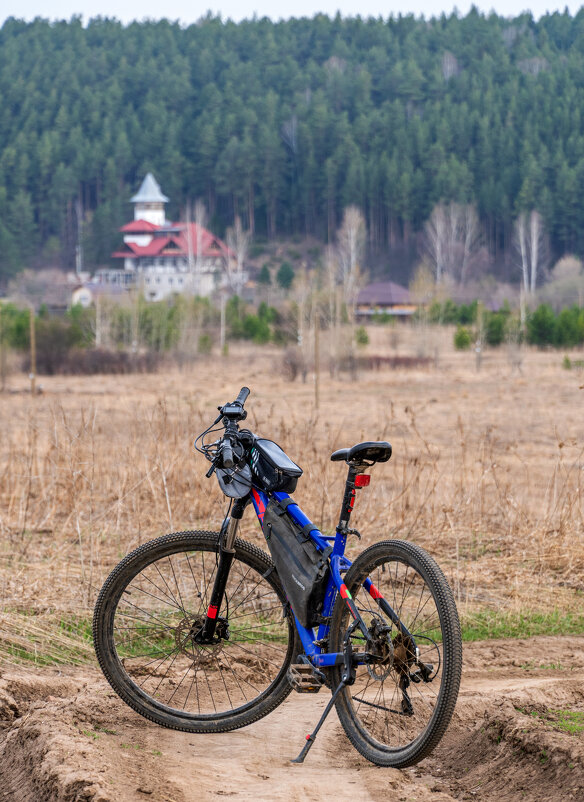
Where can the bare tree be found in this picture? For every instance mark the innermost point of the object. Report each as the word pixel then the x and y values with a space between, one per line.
pixel 302 294
pixel 452 239
pixel 238 242
pixel 200 223
pixel 435 232
pixel 471 238
pixel 423 291
pixel 536 246
pixel 566 284
pixel 334 307
pixel 351 239
pixel 531 243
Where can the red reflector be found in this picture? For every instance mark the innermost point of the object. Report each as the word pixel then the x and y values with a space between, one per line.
pixel 362 480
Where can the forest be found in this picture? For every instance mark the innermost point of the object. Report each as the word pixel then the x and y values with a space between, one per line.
pixel 286 124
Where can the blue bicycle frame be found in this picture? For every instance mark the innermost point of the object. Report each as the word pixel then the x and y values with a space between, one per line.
pixel 310 637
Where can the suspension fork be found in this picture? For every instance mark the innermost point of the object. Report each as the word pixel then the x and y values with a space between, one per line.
pixel 226 555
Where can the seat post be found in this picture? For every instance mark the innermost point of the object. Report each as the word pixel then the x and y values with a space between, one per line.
pixel 348 497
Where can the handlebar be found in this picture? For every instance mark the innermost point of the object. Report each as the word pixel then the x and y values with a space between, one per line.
pixel 243 394
pixel 234 411
pixel 227 454
pixel 220 453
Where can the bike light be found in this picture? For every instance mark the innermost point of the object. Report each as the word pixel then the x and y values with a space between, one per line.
pixel 362 480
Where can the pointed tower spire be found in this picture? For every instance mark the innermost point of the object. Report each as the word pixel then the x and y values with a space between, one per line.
pixel 149 202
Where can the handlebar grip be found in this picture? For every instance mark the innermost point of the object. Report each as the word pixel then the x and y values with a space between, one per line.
pixel 227 455
pixel 243 394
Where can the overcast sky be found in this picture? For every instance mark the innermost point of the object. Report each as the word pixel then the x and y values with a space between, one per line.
pixel 187 12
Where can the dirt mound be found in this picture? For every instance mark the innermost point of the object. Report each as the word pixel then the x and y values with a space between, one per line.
pixel 517 734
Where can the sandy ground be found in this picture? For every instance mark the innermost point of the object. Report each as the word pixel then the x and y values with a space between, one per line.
pixel 65 736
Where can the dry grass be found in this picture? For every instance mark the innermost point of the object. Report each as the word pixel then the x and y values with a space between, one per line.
pixel 487 473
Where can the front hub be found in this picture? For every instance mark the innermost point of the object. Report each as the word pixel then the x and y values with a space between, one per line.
pixel 191 633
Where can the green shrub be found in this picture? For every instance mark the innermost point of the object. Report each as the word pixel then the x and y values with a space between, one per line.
pixel 285 275
pixel 361 336
pixel 495 328
pixel 265 276
pixel 256 329
pixel 462 339
pixel 567 329
pixel 541 326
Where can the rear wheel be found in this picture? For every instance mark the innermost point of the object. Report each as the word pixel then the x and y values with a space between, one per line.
pixel 145 623
pixel 400 705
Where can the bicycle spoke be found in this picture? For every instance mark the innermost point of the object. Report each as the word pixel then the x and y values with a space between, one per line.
pixel 162 608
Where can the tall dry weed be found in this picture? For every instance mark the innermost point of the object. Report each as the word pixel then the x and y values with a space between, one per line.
pixel 85 477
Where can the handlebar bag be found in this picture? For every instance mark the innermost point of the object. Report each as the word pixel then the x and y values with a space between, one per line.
pixel 272 467
pixel 302 568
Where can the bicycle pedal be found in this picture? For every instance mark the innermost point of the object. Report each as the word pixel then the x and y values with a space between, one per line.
pixel 303 678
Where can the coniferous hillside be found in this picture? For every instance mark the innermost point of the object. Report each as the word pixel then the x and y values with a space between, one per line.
pixel 287 123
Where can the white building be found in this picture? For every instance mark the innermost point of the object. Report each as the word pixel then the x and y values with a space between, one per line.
pixel 162 258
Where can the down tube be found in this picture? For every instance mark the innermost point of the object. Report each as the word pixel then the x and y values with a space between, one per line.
pixel 307 635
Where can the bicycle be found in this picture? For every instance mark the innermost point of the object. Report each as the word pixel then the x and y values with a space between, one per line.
pixel 203 632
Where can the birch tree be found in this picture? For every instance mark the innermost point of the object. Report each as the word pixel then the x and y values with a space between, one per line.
pixel 452 239
pixel 200 223
pixel 531 244
pixel 331 264
pixel 435 233
pixel 351 239
pixel 238 242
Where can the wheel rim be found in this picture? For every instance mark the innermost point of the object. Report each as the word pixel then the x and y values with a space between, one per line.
pixel 380 710
pixel 157 615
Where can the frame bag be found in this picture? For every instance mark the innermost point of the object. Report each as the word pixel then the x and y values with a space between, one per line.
pixel 302 568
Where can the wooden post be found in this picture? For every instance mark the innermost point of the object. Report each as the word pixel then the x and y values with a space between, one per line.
pixel 316 356
pixel 32 374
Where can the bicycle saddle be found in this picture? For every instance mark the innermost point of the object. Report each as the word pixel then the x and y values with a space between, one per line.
pixel 369 451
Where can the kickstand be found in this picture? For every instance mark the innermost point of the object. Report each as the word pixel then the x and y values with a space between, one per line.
pixel 310 738
pixel 347 678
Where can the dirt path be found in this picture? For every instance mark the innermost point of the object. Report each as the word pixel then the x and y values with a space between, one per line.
pixel 66 737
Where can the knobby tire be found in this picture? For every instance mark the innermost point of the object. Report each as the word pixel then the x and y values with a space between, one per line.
pixel 373 712
pixel 144 623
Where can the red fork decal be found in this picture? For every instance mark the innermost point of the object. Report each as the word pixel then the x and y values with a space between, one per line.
pixel 261 507
pixel 212 611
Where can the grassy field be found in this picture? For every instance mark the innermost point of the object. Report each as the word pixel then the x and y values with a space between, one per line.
pixel 487 474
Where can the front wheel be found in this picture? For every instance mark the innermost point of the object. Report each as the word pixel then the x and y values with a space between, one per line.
pixel 145 627
pixel 402 701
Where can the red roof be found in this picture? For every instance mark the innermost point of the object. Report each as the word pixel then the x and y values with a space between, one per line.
pixel 139 227
pixel 176 244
